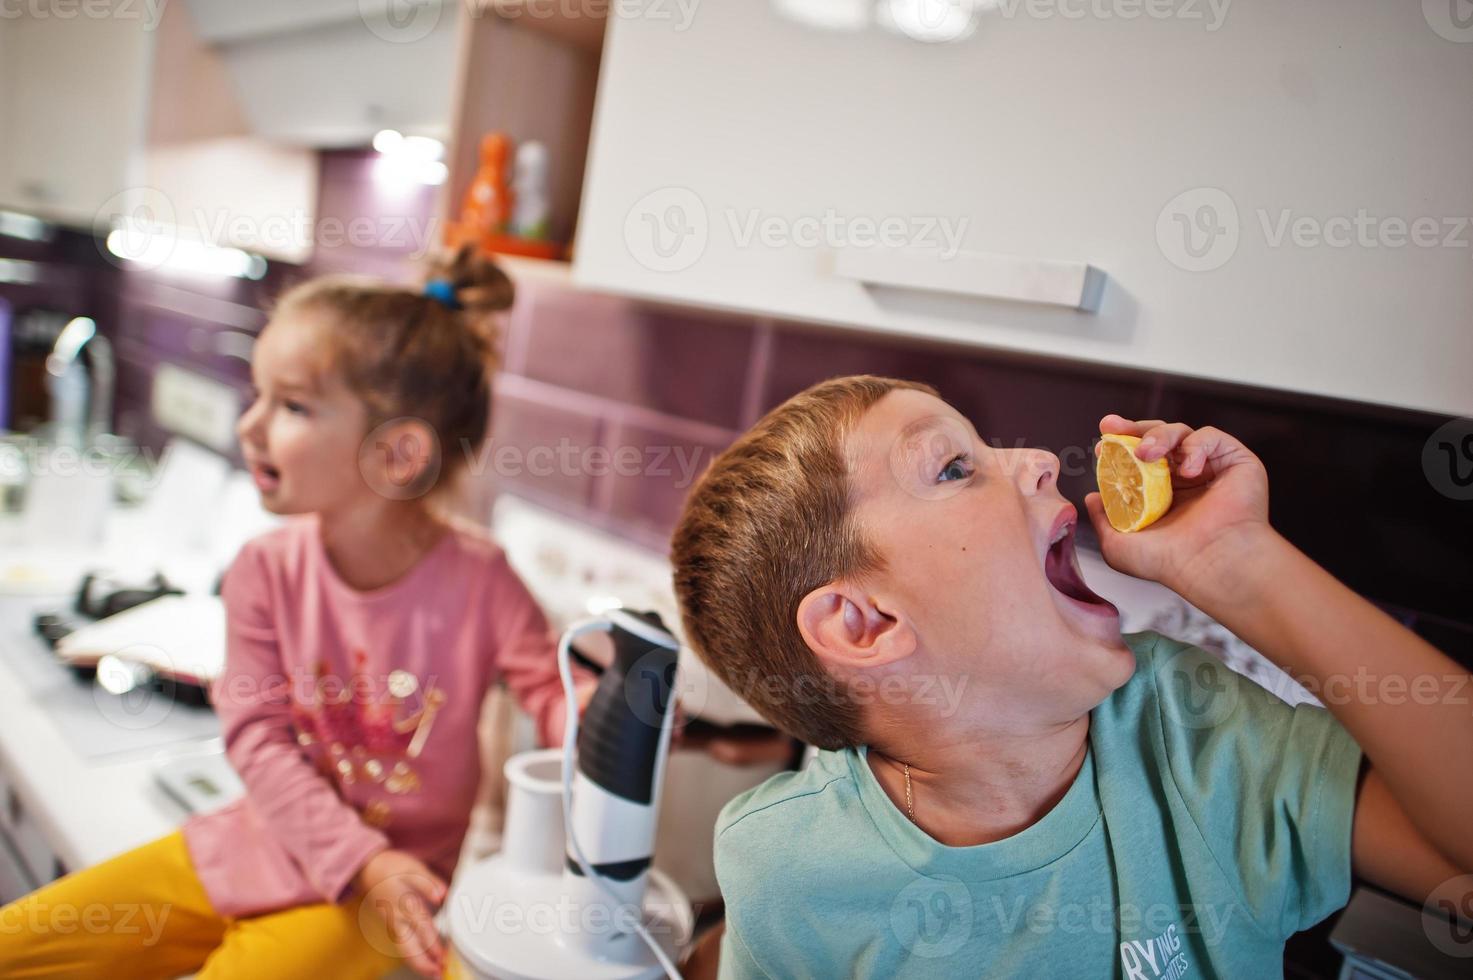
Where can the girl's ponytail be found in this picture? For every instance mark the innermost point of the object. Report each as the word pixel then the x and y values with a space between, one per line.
pixel 469 282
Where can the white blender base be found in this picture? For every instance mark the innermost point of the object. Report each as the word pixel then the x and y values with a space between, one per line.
pixel 511 924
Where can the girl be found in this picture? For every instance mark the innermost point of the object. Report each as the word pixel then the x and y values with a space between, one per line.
pixel 362 636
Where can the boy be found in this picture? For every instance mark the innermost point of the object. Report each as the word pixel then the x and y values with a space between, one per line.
pixel 1010 787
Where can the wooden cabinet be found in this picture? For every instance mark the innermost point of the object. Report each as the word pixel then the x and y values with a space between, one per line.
pixel 529 70
pixel 1275 194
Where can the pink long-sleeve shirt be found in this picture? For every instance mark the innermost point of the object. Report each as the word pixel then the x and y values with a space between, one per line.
pixel 351 716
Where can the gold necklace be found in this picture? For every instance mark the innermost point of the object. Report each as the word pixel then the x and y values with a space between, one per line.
pixel 910 808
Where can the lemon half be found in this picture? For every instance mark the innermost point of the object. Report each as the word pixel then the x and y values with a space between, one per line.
pixel 1135 493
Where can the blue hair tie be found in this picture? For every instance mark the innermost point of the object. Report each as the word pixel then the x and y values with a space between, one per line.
pixel 442 291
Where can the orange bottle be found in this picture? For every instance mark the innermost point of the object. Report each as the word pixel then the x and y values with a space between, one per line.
pixel 487 207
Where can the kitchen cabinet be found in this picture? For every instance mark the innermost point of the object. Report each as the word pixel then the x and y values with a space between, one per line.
pixel 14 882
pixel 15 879
pixel 530 71
pixel 74 93
pixel 1274 194
pixel 362 66
pixel 115 117
pixel 26 859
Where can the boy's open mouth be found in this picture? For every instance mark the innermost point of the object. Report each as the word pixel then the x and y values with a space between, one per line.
pixel 1061 568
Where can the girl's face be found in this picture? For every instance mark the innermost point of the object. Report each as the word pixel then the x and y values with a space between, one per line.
pixel 301 435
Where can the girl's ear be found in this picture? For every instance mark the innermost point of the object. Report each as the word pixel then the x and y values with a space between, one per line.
pixel 400 459
pixel 846 626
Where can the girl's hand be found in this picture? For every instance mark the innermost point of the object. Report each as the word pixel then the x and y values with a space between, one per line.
pixel 405 894
pixel 1219 506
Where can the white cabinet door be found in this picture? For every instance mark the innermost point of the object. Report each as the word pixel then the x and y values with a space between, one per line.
pixel 1276 193
pixel 15 881
pixel 23 840
pixel 75 105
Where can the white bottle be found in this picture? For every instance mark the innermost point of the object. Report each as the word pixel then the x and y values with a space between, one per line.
pixel 529 188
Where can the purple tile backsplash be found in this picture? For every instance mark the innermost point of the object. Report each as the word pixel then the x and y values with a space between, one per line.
pixel 653 469
pixel 693 365
pixel 537 448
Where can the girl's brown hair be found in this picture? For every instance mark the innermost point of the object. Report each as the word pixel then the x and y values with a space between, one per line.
pixel 409 354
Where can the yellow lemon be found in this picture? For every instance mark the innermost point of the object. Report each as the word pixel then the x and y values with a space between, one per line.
pixel 1135 493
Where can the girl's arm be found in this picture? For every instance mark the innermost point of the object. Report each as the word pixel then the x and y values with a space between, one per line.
pixel 323 834
pixel 1401 699
pixel 526 657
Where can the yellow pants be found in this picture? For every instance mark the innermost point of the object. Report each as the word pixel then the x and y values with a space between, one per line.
pixel 144 914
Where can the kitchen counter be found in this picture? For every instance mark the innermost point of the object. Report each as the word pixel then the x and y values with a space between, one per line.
pixel 83 806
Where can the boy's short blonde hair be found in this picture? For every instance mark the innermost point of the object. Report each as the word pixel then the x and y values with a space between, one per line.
pixel 768 523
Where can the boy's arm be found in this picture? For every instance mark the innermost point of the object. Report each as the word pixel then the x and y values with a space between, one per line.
pixel 1388 849
pixel 1403 701
pixel 1396 694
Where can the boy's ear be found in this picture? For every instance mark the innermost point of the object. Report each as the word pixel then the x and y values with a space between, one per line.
pixel 845 626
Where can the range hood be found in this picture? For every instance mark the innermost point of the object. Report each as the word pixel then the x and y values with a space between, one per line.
pixel 330 73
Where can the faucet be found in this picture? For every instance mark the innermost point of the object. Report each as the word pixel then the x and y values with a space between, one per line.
pixel 77 336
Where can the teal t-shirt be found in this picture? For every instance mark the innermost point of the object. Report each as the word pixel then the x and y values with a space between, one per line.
pixel 1209 822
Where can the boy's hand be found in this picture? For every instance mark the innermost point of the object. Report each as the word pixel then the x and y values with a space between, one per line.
pixel 405 894
pixel 1219 506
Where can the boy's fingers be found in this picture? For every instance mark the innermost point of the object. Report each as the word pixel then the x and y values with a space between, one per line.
pixel 1158 438
pixel 1207 443
pixel 1119 425
pixel 1161 439
pixel 1095 507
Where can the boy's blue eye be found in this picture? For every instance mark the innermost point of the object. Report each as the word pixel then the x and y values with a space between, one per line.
pixel 956 468
pixel 295 407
